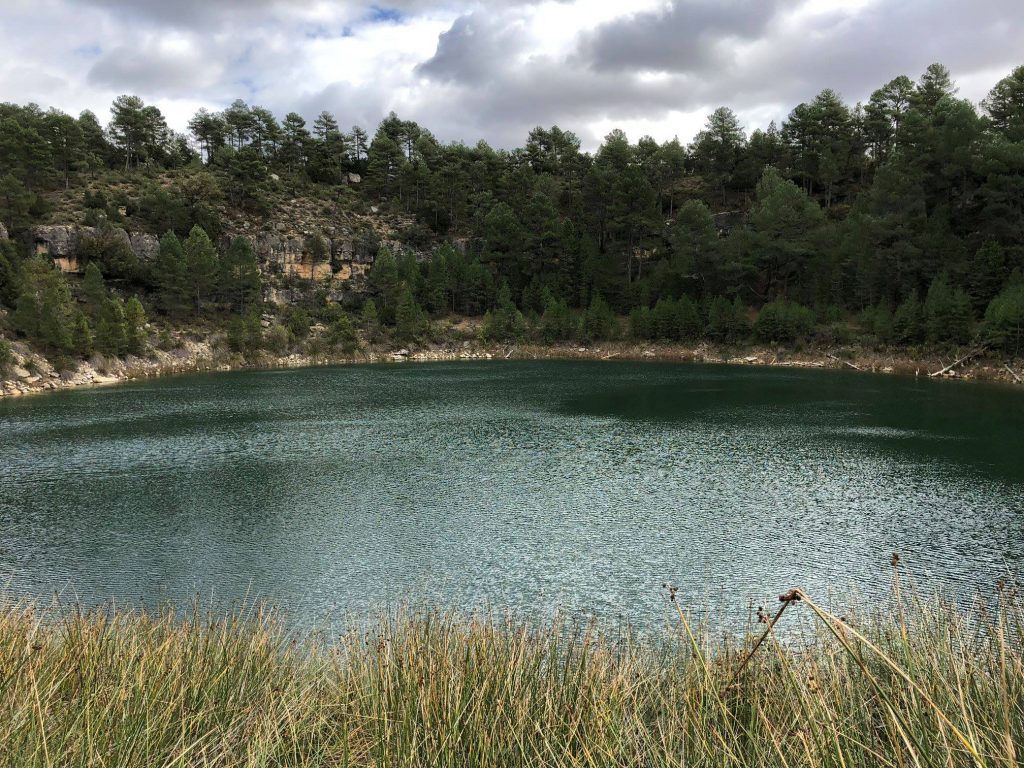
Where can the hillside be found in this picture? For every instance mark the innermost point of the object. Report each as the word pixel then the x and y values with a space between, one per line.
pixel 891 228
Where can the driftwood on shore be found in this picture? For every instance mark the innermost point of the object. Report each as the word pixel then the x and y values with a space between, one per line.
pixel 1013 373
pixel 844 362
pixel 961 361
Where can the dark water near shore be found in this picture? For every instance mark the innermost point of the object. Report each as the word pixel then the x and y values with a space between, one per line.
pixel 579 487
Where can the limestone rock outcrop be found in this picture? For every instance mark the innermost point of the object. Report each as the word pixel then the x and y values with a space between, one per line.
pixel 60 243
pixel 144 245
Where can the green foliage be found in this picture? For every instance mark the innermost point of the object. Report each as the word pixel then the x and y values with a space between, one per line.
pixel 839 206
pixel 385 282
pixel 6 356
pixel 10 273
pixel 505 322
pixel 947 314
pixel 239 283
pixel 783 321
pixel 557 322
pixel 410 320
pixel 45 311
pixel 81 336
pixel 135 327
pixel 341 334
pixel 1004 320
pixel 112 328
pixel 727 321
pixel 170 276
pixel 908 321
pixel 298 322
pixel 15 204
pixel 276 339
pixel 369 321
pixel 245 334
pixel 672 320
pixel 201 266
pixel 110 249
pixel 598 322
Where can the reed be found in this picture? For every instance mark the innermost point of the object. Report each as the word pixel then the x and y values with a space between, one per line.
pixel 928 684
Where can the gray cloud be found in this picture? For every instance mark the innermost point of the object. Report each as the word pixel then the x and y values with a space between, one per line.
pixel 681 37
pixel 470 69
pixel 475 49
pixel 151 71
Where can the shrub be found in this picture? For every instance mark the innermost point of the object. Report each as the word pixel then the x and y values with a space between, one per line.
pixel 784 321
pixel 1004 320
pixel 598 321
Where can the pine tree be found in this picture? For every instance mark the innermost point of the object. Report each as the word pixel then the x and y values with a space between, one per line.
pixel 369 320
pixel 200 266
pixel 240 281
pixel 409 321
pixel 908 321
pixel 135 327
pixel 81 336
pixel 111 328
pixel 170 277
pixel 384 280
pixel 947 313
pixel 94 289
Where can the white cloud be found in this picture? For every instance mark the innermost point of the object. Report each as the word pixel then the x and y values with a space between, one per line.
pixel 469 69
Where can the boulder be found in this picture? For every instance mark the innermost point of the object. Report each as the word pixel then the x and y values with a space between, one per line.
pixel 354 178
pixel 20 372
pixel 57 240
pixel 145 246
pixel 3 231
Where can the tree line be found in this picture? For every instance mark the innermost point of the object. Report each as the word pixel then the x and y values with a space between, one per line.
pixel 900 220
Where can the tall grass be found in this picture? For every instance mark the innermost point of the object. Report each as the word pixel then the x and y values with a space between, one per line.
pixel 929 684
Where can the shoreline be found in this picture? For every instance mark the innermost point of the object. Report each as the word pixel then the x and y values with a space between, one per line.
pixel 31 374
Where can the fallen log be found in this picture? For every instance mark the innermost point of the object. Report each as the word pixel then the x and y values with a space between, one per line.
pixel 844 362
pixel 1014 374
pixel 959 362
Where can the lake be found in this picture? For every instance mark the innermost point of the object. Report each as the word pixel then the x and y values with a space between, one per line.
pixel 578 487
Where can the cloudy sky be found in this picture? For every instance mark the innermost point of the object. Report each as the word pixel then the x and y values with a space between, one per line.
pixel 471 70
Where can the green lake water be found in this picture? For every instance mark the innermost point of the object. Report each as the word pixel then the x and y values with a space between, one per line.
pixel 532 486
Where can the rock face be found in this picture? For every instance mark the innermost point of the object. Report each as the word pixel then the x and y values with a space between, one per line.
pixel 60 243
pixel 344 258
pixel 145 245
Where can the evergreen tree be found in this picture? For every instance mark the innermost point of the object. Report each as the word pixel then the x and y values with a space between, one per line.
pixel 505 322
pixel 81 336
pixel 598 321
pixel 240 281
pixel 369 320
pixel 170 276
pixel 385 282
pixel 135 327
pixel 200 266
pixel 409 321
pixel 908 321
pixel 94 289
pixel 1004 320
pixel 947 313
pixel 111 328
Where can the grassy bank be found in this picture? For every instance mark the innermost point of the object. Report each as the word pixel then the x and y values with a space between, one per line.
pixel 930 685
